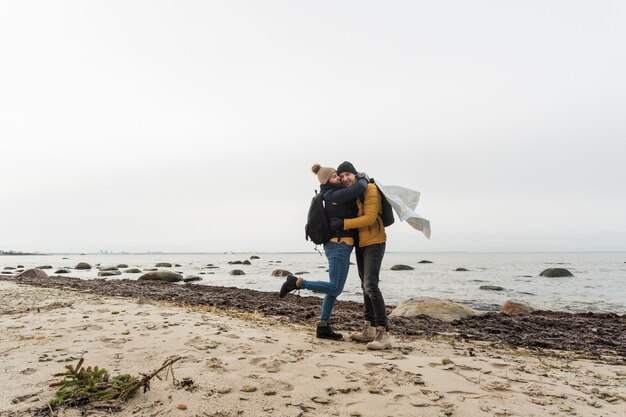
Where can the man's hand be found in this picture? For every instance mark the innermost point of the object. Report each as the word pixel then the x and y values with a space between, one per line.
pixel 336 224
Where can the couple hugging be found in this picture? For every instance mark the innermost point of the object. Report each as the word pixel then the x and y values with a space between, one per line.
pixel 353 207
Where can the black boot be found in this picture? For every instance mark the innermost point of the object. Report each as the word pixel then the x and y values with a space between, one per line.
pixel 289 285
pixel 325 331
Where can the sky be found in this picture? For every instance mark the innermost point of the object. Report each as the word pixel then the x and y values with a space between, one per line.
pixel 191 126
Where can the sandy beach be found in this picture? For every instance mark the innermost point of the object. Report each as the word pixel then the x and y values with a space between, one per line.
pixel 248 364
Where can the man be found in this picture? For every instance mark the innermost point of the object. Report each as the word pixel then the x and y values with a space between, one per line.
pixel 369 257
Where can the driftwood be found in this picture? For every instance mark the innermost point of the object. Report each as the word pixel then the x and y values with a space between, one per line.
pixel 94 388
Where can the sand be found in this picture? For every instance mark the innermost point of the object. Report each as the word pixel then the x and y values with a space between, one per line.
pixel 246 364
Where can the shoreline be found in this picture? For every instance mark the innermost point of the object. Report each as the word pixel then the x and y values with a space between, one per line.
pixel 600 337
pixel 247 364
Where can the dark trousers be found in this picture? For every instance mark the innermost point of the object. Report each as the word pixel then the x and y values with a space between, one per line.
pixel 369 260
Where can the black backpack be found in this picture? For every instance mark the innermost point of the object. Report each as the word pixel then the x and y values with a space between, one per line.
pixel 317 227
pixel 387 211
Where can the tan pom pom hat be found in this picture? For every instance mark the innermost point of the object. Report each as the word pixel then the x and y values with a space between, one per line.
pixel 323 173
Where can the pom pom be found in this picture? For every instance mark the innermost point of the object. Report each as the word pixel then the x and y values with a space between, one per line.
pixel 316 168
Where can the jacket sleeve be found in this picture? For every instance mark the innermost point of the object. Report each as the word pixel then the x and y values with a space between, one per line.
pixel 370 210
pixel 346 194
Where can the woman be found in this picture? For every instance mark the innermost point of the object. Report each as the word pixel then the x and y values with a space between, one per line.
pixel 339 202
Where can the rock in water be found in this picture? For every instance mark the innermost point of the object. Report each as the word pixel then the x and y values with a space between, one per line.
pixel 62 271
pixel 461 270
pixel 82 265
pixel 109 273
pixel 512 307
pixel 490 288
pixel 163 265
pixel 256 257
pixel 237 272
pixel 444 310
pixel 402 268
pixel 161 276
pixel 425 262
pixel 133 271
pixel 280 273
pixel 192 278
pixel 33 273
pixel 556 273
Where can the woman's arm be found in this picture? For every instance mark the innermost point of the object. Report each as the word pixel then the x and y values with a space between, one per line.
pixel 346 194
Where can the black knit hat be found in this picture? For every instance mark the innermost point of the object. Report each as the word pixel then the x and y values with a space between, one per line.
pixel 346 166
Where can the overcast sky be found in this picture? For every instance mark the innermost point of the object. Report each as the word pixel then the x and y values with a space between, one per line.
pixel 192 125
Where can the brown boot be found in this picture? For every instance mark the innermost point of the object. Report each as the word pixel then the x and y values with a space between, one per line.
pixel 367 335
pixel 382 341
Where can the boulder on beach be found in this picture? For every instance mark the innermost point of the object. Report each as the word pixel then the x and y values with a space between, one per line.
pixel 490 288
pixel 435 308
pixel 512 307
pixel 109 273
pixel 165 276
pixel 62 271
pixel 192 278
pixel 424 261
pixel 280 273
pixel 33 273
pixel 237 272
pixel 133 271
pixel 82 265
pixel 254 257
pixel 461 270
pixel 402 268
pixel 163 265
pixel 556 273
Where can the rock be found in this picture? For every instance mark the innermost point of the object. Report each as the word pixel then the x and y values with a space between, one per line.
pixel 150 269
pixel 163 265
pixel 9 267
pixel 192 278
pixel 62 271
pixel 402 268
pixel 44 267
pixel 237 272
pixel 444 310
pixel 246 262
pixel 447 361
pixel 109 268
pixel 22 266
pixel 33 273
pixel 301 273
pixel 280 273
pixel 256 257
pixel 461 270
pixel 181 406
pixel 512 307
pixel 235 262
pixel 223 390
pixel 556 273
pixel 122 266
pixel 490 288
pixel 177 265
pixel 82 265
pixel 133 271
pixel 425 262
pixel 372 389
pixel 248 388
pixel 161 276
pixel 108 273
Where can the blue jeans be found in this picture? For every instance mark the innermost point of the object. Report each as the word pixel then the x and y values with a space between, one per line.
pixel 338 255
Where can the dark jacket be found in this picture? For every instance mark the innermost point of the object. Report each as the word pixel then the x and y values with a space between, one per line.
pixel 340 202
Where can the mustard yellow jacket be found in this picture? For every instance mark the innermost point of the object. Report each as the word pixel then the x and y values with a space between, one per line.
pixel 369 223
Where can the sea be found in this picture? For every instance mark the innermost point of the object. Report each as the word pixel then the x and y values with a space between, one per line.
pixel 598 284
